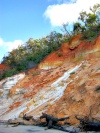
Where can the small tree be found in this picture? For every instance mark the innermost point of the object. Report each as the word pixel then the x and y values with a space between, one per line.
pixel 90 22
pixel 78 28
pixel 90 19
pixel 65 29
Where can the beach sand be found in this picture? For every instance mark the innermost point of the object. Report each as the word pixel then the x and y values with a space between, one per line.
pixel 26 129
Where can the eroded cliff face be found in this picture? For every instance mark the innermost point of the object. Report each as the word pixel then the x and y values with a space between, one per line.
pixel 66 83
pixel 73 50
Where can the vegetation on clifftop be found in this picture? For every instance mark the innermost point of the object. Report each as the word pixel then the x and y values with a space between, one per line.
pixel 34 50
pixel 89 23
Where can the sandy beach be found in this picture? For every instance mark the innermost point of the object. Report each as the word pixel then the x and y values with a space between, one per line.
pixel 32 129
pixel 26 129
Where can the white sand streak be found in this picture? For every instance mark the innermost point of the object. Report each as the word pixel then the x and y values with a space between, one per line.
pixel 53 94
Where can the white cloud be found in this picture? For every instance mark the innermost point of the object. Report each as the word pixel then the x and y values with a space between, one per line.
pixel 13 45
pixel 9 46
pixel 67 12
pixel 6 47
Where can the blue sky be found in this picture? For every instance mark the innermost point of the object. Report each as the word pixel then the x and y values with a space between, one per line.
pixel 23 19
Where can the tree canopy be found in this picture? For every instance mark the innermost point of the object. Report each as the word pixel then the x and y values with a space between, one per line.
pixel 88 22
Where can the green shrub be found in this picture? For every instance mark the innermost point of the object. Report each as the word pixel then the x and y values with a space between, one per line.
pixel 59 54
pixel 89 34
pixel 36 73
pixel 72 73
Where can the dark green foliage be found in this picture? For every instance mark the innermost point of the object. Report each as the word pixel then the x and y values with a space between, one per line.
pixel 72 73
pixel 59 54
pixel 77 27
pixel 88 35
